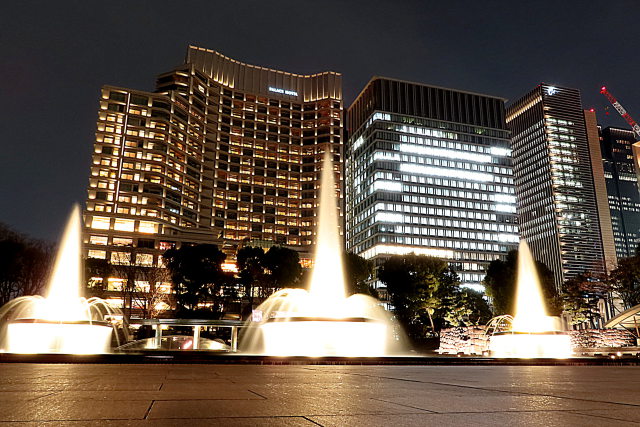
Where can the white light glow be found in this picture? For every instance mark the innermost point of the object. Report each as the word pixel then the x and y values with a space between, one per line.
pixel 507 237
pixel 504 198
pixel 389 217
pixel 358 142
pixel 385 155
pixel 30 338
pixel 327 281
pixel 318 338
pixel 381 116
pixel 526 346
pixel 387 185
pixel 405 250
pixel 441 152
pixel 506 208
pixel 499 151
pixel 451 173
pixel 425 131
pixel 283 91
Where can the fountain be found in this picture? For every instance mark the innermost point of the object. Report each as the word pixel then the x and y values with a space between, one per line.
pixel 533 332
pixel 322 321
pixel 61 322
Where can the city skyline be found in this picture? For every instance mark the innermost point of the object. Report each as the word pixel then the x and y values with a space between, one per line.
pixel 57 59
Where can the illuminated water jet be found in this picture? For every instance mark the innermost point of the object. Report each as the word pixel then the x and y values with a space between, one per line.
pixel 322 321
pixel 533 332
pixel 63 321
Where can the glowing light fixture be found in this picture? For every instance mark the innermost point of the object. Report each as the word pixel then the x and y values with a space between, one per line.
pixel 451 173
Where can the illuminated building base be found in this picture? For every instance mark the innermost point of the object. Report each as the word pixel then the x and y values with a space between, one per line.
pixel 29 336
pixel 308 336
pixel 527 345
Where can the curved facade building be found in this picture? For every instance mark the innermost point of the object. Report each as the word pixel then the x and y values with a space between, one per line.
pixel 222 152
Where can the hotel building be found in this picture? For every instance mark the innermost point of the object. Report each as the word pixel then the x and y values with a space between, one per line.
pixel 222 152
pixel 562 207
pixel 428 171
pixel 622 188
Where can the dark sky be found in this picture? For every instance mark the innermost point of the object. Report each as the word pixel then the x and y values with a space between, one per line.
pixel 55 56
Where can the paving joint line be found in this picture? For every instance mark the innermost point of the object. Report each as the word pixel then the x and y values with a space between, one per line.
pixel 257 394
pixel 601 416
pixel 146 414
pixel 46 395
pixel 406 406
pixel 312 421
pixel 496 390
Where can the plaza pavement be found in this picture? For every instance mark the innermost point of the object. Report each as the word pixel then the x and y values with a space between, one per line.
pixel 298 395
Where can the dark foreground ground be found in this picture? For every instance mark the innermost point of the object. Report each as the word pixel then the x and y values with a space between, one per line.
pixel 307 395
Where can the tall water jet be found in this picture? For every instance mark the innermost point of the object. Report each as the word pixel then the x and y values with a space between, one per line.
pixel 322 321
pixel 62 301
pixel 327 278
pixel 63 321
pixel 533 332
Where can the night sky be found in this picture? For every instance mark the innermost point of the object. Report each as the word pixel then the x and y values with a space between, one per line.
pixel 56 55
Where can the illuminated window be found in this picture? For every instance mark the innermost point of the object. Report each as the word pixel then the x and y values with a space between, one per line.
pixel 97 254
pixel 120 241
pixel 120 258
pixel 145 260
pixel 147 227
pixel 98 240
pixel 124 224
pixel 115 284
pixel 100 223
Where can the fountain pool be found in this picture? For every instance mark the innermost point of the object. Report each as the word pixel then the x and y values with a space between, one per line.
pixel 533 332
pixel 322 321
pixel 63 321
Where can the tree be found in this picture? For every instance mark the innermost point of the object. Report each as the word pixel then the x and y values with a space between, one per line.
pixel 139 288
pixel 357 271
pixel 465 307
pixel 251 271
pixel 197 276
pixel 96 273
pixel 413 283
pixel 10 269
pixel 500 285
pixel 580 296
pixel 283 268
pixel 625 281
pixel 25 265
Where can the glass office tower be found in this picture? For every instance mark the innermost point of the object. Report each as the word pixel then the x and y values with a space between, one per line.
pixel 429 171
pixel 622 188
pixel 557 204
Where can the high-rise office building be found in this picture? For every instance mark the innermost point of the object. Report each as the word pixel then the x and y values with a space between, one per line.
pixel 557 203
pixel 429 171
pixel 222 152
pixel 622 188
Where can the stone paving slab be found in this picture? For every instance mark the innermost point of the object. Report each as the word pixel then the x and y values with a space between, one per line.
pixel 257 395
pixel 547 419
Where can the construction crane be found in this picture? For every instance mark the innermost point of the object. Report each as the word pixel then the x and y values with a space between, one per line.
pixel 635 147
pixel 620 109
